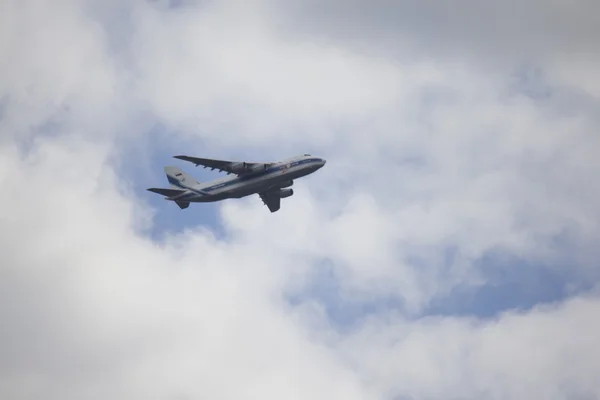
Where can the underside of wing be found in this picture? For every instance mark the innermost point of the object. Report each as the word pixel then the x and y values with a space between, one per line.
pixel 231 167
pixel 272 200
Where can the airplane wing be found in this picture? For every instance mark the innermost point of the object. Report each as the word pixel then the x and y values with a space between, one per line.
pixel 231 167
pixel 271 199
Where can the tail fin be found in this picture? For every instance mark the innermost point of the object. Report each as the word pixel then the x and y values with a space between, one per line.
pixel 179 179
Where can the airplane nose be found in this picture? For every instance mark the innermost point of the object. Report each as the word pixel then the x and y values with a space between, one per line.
pixel 323 161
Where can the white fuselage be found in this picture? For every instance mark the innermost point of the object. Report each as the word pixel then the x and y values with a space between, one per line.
pixel 280 174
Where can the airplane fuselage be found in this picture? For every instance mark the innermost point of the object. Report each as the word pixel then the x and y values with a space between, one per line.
pixel 278 175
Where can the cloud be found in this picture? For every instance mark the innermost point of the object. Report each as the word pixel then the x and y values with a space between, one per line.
pixel 537 353
pixel 302 86
pixel 95 309
pixel 434 168
pixel 557 35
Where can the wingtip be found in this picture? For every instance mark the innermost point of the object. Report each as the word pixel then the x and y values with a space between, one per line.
pixel 186 158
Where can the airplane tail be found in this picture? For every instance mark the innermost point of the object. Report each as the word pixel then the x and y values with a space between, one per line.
pixel 179 179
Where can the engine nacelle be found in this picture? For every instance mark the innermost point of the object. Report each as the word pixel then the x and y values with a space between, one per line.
pixel 245 168
pixel 283 193
pixel 286 184
pixel 259 168
pixel 239 167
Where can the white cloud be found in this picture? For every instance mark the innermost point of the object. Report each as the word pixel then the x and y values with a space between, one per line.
pixel 55 67
pixel 249 82
pixel 548 352
pixel 424 155
pixel 91 304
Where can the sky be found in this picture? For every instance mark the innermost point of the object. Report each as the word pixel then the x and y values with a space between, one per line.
pixel 447 250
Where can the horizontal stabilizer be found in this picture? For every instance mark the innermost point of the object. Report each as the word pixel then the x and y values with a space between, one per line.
pixel 167 192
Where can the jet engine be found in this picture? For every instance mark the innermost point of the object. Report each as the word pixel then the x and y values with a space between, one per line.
pixel 286 184
pixel 244 168
pixel 239 167
pixel 283 193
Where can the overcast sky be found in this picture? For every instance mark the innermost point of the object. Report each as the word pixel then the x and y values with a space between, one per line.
pixel 447 250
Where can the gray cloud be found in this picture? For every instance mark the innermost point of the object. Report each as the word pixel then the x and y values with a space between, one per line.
pixel 494 37
pixel 531 30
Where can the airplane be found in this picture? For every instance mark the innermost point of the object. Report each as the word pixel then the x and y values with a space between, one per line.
pixel 270 180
